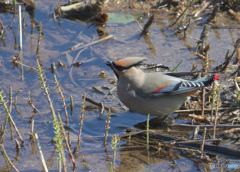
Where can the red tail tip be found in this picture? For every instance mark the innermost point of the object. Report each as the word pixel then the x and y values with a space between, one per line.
pixel 216 77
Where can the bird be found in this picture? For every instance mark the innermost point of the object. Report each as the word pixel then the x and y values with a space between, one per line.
pixel 155 93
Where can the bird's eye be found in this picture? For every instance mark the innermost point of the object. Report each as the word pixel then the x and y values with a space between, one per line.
pixel 122 69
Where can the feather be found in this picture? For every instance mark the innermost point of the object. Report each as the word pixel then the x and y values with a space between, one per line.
pixel 184 86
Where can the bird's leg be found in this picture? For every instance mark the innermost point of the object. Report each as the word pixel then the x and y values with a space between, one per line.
pixel 163 119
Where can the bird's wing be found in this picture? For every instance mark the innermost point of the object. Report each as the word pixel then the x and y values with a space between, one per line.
pixel 182 86
pixel 181 74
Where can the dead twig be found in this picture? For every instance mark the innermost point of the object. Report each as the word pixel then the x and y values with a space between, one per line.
pixel 202 43
pixel 199 118
pixel 228 58
pixel 198 12
pixel 223 126
pixel 222 67
pixel 203 142
pixel 203 101
pixel 107 127
pixel 214 11
pixel 8 159
pixel 146 26
pixel 100 106
pixel 235 15
pixel 67 143
pixel 139 24
pixel 185 10
pixel 198 110
pixel 30 102
pixel 207 147
pixel 77 46
pixel 196 132
pixel 41 153
pixel 82 117
pixel 233 130
pixel 15 61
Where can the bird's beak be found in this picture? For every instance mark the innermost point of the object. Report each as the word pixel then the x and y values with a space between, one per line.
pixel 111 65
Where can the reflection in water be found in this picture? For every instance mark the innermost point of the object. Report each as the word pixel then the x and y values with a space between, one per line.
pixel 82 11
pixel 85 162
pixel 15 39
pixel 30 8
pixel 17 155
pixel 7 164
pixel 33 146
pixel 162 25
pixel 133 155
pixel 108 159
pixel 217 34
pixel 85 12
pixel 101 30
pixel 149 43
pixel 50 161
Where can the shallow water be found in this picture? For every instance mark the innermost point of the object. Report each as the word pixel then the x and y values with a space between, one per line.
pixel 162 46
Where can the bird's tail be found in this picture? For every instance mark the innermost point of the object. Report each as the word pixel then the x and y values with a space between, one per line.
pixel 208 80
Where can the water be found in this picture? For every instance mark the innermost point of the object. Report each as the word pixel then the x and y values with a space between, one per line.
pixel 161 46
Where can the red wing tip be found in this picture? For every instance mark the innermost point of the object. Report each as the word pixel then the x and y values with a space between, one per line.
pixel 216 77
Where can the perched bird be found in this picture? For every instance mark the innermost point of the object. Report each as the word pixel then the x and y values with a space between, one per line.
pixel 154 93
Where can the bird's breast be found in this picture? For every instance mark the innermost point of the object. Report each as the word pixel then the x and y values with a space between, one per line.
pixel 163 105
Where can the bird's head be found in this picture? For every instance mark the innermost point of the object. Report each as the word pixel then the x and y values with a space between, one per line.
pixel 125 66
